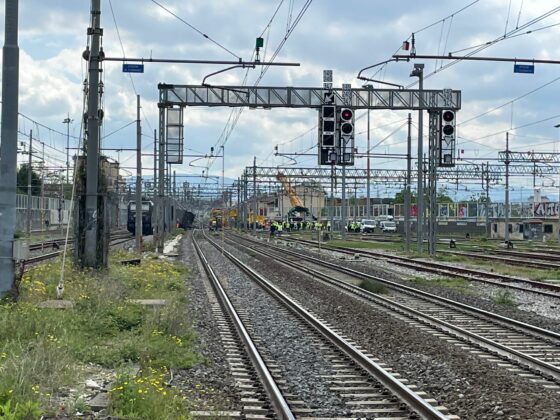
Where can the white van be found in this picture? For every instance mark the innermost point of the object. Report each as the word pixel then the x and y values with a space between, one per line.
pixel 367 226
pixel 388 226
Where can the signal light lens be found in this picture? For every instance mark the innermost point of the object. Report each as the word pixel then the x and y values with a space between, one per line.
pixel 346 128
pixel 328 126
pixel 346 114
pixel 448 116
pixel 448 130
pixel 328 111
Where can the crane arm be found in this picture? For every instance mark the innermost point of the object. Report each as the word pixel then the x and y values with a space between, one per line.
pixel 294 198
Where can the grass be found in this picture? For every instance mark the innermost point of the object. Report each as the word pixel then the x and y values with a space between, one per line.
pixel 456 284
pixel 504 297
pixel 373 286
pixel 45 351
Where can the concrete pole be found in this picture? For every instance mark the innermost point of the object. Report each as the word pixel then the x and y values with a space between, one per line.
pixel 245 202
pixel 161 181
pixel 92 164
pixel 43 176
pixel 8 151
pixel 155 163
pixel 238 202
pixel 420 187
pixel 368 176
pixel 487 204
pixel 138 177
pixel 331 207
pixel 29 178
pixel 343 202
pixel 407 185
pixel 506 233
pixel 255 202
pixel 432 178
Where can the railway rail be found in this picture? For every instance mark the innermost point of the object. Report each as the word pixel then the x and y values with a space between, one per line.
pixel 502 280
pixel 524 259
pixel 525 349
pixel 116 239
pixel 365 386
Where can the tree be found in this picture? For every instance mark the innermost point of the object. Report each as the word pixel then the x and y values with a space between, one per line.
pixel 442 197
pixel 36 181
pixel 399 197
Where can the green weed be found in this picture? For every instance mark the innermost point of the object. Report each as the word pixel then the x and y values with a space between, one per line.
pixel 504 297
pixel 373 286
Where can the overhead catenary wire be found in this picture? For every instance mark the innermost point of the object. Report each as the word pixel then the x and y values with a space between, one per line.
pixel 235 114
pixel 490 43
pixel 194 28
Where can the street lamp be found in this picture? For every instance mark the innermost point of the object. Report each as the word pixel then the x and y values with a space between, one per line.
pixel 418 71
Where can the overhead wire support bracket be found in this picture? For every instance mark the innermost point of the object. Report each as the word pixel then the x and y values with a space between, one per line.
pixel 472 58
pixel 180 61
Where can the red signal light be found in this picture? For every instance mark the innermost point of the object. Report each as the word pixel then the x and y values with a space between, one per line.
pixel 346 114
pixel 448 116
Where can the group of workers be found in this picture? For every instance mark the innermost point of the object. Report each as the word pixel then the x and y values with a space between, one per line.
pixel 291 226
pixel 353 227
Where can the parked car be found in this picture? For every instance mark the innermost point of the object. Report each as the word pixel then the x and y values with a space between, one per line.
pixel 367 226
pixel 388 226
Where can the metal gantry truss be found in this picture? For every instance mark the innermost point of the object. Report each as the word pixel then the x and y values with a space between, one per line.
pixel 306 97
pixel 529 157
pixel 461 172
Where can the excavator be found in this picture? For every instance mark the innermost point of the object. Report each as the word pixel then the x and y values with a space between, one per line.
pixel 297 204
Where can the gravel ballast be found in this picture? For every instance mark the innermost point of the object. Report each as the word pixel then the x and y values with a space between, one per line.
pixel 466 384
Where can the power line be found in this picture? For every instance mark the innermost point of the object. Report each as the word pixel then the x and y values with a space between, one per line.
pixel 195 29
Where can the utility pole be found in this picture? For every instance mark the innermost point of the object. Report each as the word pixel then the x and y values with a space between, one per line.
pixel 138 224
pixel 43 176
pixel 8 151
pixel 407 186
pixel 432 180
pixel 419 72
pixel 332 208
pixel 255 202
pixel 155 164
pixel 29 178
pixel 506 233
pixel 486 176
pixel 67 121
pixel 368 176
pixel 343 202
pixel 161 183
pixel 90 257
pixel 238 201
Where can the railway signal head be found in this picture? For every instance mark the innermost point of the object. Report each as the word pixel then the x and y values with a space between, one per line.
pixel 346 122
pixel 447 138
pixel 448 124
pixel 328 126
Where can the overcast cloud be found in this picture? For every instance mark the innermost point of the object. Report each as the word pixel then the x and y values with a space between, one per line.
pixel 344 36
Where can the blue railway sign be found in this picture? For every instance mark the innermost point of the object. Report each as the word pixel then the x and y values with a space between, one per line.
pixel 133 68
pixel 524 68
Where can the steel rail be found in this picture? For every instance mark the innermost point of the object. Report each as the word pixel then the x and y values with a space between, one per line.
pixel 543 367
pixel 415 402
pixel 279 404
pixel 439 268
pixel 508 260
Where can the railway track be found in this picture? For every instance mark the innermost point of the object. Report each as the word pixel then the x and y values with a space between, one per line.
pixel 527 350
pixel 116 239
pixel 359 384
pixel 502 280
pixel 524 259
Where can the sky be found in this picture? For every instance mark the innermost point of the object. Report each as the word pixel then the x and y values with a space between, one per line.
pixel 344 36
